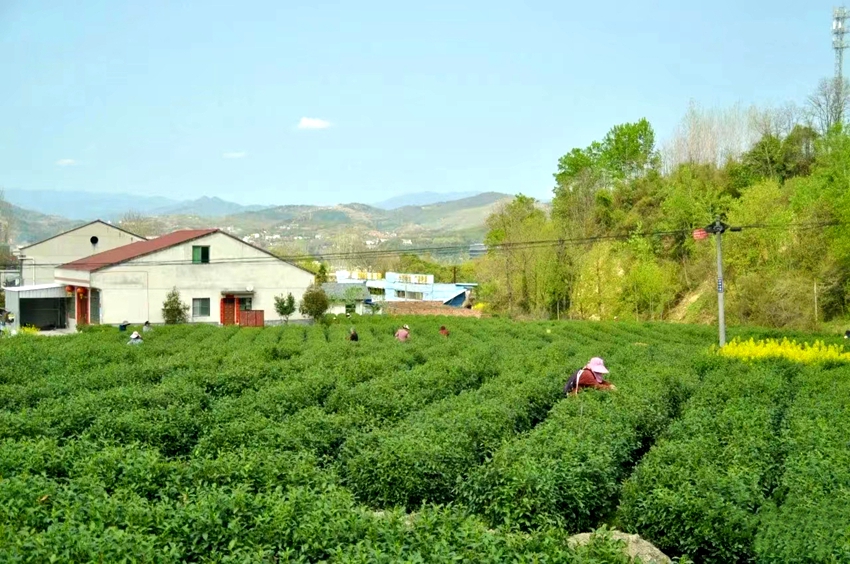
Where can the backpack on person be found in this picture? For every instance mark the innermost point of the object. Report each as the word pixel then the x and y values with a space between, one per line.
pixel 572 383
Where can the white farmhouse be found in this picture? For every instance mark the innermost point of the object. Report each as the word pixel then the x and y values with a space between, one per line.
pixel 40 259
pixel 222 278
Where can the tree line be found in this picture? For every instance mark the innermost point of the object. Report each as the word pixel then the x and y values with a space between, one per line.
pixel 618 232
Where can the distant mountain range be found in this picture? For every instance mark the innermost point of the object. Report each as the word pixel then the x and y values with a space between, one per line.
pixel 97 205
pixel 422 199
pixel 88 206
pixel 461 220
pixel 465 213
pixel 29 226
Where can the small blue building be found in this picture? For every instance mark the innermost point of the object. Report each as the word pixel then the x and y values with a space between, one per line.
pixel 396 287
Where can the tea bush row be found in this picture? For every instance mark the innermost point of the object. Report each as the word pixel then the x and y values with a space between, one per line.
pixel 567 472
pixel 808 516
pixel 424 457
pixel 699 490
pixel 119 507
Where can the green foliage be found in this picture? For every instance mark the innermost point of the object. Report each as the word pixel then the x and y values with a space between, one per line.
pixel 227 444
pixel 786 269
pixel 523 279
pixel 218 444
pixel 806 519
pixel 314 303
pixel 285 306
pixel 567 471
pixel 173 310
pixel 321 274
pixel 699 492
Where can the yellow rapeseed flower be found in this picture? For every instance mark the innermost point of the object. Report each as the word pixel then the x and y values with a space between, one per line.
pixel 807 353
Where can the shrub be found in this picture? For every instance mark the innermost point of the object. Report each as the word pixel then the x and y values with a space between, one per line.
pixel 314 303
pixel 285 307
pixel 173 310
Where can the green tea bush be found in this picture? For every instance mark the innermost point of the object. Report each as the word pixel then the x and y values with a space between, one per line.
pixel 212 444
pixel 699 490
pixel 807 518
pixel 422 459
pixel 567 472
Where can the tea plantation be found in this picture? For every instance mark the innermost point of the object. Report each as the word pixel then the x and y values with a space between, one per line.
pixel 291 444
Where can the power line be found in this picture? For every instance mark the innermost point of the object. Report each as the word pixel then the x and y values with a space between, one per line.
pixel 501 247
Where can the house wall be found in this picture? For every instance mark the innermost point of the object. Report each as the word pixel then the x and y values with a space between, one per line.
pixel 42 258
pixel 135 291
pixel 339 309
pixel 13 304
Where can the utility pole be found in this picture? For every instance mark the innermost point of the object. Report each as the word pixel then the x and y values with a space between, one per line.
pixel 718 228
pixel 839 44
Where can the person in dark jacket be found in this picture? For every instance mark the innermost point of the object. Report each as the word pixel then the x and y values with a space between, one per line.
pixel 591 376
pixel 353 335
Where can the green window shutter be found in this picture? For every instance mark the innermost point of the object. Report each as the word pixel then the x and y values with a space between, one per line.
pixel 196 255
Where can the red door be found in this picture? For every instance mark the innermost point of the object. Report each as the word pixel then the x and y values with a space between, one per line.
pixel 82 307
pixel 228 311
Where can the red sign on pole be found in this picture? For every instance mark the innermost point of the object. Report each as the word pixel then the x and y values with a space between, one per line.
pixel 700 234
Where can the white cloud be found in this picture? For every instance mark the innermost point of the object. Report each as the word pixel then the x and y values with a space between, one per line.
pixel 66 162
pixel 235 155
pixel 313 123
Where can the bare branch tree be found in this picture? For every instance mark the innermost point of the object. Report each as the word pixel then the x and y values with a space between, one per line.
pixel 828 104
pixel 711 136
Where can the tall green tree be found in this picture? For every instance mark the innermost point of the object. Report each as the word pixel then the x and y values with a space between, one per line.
pixel 626 153
pixel 322 274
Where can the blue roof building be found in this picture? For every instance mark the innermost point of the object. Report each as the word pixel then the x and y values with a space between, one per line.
pixel 395 286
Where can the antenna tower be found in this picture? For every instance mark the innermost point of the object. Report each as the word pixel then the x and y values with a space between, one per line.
pixel 839 44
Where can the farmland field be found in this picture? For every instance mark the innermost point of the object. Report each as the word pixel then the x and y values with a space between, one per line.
pixel 290 444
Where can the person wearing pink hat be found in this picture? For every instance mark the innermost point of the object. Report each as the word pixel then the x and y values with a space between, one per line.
pixel 589 377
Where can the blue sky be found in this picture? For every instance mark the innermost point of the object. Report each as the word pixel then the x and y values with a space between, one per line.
pixel 184 99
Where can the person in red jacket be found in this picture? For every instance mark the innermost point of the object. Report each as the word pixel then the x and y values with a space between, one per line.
pixel 591 376
pixel 443 331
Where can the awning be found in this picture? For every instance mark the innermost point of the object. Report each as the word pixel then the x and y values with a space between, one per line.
pixel 38 291
pixel 237 293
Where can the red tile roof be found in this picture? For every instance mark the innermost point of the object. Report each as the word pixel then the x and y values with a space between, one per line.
pixel 135 250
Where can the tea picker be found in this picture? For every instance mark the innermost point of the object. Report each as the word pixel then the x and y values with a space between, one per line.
pixel 591 376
